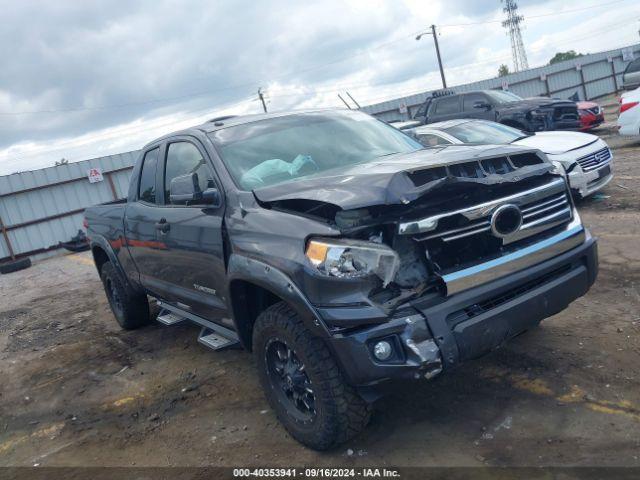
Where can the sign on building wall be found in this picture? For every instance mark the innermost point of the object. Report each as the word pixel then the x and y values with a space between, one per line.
pixel 95 175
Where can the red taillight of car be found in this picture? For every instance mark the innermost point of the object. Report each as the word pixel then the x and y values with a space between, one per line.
pixel 626 106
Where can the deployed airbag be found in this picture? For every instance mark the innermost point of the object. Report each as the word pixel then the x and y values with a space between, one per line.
pixel 262 173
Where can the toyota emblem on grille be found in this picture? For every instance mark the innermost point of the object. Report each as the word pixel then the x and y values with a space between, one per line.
pixel 506 220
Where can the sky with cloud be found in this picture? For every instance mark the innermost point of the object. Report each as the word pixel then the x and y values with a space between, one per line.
pixel 85 79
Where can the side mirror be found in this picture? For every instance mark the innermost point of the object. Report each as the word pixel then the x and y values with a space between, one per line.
pixel 211 196
pixel 185 189
pixel 482 105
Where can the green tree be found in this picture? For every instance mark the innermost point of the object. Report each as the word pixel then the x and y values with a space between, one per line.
pixel 562 56
pixel 503 70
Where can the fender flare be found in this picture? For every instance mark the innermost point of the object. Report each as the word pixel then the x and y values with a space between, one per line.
pixel 277 282
pixel 104 245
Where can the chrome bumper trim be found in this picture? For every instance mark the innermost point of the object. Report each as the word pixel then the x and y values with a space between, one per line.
pixel 573 236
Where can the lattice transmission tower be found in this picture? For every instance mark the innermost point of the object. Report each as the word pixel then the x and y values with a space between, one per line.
pixel 512 24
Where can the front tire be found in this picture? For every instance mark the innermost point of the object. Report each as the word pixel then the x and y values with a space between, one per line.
pixel 130 308
pixel 303 383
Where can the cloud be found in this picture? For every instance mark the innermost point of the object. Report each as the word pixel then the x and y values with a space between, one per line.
pixel 116 74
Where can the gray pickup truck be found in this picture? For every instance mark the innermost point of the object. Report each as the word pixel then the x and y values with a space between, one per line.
pixel 341 252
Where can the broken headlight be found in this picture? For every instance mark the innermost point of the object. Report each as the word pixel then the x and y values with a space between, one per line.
pixel 353 258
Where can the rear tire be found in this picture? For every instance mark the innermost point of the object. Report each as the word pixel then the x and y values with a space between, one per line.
pixel 15 265
pixel 130 308
pixel 333 413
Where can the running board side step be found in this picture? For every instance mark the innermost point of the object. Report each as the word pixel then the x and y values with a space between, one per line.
pixel 169 318
pixel 214 340
pixel 212 335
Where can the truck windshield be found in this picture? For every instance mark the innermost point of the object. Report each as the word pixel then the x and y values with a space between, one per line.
pixel 488 133
pixel 502 96
pixel 281 149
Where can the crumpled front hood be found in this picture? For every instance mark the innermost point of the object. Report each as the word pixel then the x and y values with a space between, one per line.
pixel 555 143
pixel 386 180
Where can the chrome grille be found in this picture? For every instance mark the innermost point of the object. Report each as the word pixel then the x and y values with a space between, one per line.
pixel 545 210
pixel 595 160
pixel 553 210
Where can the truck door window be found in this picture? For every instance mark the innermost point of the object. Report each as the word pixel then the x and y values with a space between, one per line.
pixel 147 186
pixel 470 98
pixel 446 105
pixel 184 158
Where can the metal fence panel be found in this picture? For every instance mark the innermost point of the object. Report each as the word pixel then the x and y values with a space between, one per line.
pixel 40 208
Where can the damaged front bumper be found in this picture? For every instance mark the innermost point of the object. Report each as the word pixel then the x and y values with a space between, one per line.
pixel 436 335
pixel 586 183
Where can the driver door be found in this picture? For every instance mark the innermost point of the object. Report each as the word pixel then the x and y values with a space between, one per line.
pixel 192 263
pixel 471 110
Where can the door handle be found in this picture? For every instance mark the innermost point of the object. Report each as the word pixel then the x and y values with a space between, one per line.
pixel 163 226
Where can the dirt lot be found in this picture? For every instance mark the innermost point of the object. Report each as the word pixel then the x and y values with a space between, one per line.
pixel 76 390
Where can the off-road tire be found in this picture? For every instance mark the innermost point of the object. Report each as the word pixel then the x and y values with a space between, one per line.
pixel 340 412
pixel 130 308
pixel 15 265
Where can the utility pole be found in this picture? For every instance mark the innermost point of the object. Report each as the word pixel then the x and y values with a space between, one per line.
pixel 435 40
pixel 261 97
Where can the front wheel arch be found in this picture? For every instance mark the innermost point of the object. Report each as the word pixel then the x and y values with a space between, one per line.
pixel 247 277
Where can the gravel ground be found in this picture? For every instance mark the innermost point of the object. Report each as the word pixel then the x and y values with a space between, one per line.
pixel 78 391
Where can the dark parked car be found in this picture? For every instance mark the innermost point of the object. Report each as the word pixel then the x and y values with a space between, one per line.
pixel 341 252
pixel 529 114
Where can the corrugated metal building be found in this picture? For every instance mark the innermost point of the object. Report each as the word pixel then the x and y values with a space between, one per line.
pixel 40 208
pixel 591 76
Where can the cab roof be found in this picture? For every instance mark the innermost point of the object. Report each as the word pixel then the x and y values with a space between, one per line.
pixel 218 123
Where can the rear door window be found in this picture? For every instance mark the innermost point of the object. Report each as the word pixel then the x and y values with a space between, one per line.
pixel 448 105
pixel 147 186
